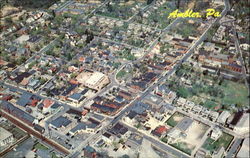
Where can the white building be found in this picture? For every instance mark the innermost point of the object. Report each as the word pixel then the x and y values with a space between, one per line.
pixel 95 80
pixel 216 133
pixel 22 39
pixel 223 117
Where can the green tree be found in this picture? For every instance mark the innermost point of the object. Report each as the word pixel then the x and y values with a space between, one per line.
pixel 182 92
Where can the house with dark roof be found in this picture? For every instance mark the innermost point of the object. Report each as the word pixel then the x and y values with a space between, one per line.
pixel 119 99
pixel 131 115
pixel 24 99
pixel 125 95
pixel 60 122
pixel 103 109
pixel 21 76
pixel 118 129
pixel 87 127
pixel 108 137
pixel 98 118
pixel 76 98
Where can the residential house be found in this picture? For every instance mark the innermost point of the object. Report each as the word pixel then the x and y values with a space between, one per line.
pixel 160 131
pixel 47 103
pixel 134 141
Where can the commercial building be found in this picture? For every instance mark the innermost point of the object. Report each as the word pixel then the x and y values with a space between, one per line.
pixel 18 113
pixel 180 130
pixel 93 80
pixel 5 137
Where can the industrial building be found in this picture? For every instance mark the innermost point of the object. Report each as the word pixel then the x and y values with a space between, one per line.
pixel 5 137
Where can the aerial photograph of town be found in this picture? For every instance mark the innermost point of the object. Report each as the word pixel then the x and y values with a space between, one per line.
pixel 124 78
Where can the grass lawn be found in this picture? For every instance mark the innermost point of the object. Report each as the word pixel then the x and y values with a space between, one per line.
pixel 41 146
pixel 235 93
pixel 121 74
pixel 165 139
pixel 172 120
pixel 210 104
pixel 212 145
pixel 182 147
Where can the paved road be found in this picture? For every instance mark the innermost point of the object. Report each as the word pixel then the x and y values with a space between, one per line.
pixel 237 45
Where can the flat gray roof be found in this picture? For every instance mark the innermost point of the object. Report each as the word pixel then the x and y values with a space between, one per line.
pixel 4 134
pixel 184 124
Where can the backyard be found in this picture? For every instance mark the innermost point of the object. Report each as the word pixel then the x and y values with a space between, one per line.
pixel 223 141
pixel 174 119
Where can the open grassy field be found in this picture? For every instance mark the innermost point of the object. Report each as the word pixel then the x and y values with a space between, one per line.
pixel 182 146
pixel 121 10
pixel 235 93
pixel 40 146
pixel 209 91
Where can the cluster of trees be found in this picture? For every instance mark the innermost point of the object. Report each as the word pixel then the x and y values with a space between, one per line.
pixel 30 4
pixel 149 1
pixel 90 36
